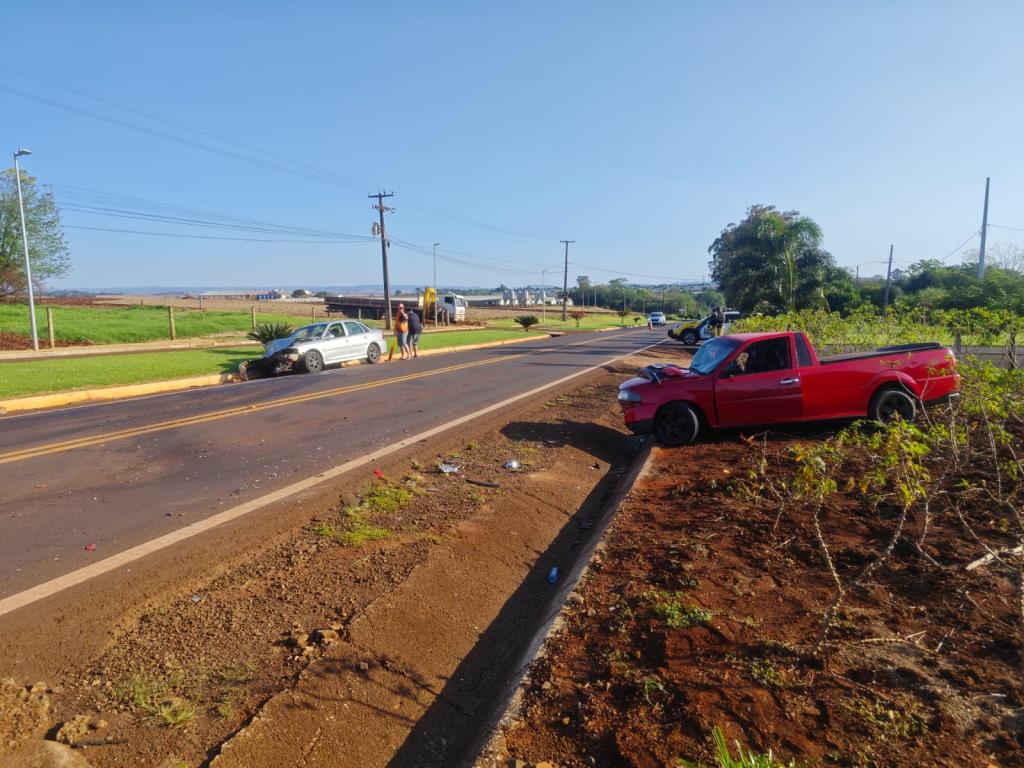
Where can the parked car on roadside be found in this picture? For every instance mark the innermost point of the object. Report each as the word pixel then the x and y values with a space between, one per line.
pixel 692 333
pixel 315 346
pixel 656 318
pixel 754 379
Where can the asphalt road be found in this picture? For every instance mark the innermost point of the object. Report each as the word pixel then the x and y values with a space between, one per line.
pixel 116 475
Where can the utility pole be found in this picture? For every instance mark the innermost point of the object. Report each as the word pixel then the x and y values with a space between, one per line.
pixel 24 242
pixel 984 231
pixel 565 281
pixel 380 208
pixel 435 284
pixel 888 280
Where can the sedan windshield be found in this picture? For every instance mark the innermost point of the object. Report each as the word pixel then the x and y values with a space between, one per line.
pixel 310 331
pixel 711 354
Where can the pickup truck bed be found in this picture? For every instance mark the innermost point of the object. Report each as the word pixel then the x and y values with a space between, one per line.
pixel 881 351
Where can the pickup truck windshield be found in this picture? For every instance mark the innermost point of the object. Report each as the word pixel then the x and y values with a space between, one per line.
pixel 711 354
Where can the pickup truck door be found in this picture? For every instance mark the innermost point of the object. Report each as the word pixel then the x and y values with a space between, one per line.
pixel 760 386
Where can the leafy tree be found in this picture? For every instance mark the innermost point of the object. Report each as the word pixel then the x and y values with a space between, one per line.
pixel 47 251
pixel 772 261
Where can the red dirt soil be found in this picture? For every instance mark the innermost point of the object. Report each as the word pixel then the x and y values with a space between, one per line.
pixel 922 668
pixel 17 341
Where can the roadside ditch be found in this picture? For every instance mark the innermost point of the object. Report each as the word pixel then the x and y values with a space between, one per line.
pixel 374 629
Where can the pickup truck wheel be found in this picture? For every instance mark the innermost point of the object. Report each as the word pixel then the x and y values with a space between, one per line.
pixel 689 338
pixel 373 354
pixel 676 424
pixel 887 404
pixel 313 361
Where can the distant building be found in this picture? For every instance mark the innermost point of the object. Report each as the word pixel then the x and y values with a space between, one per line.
pixel 242 295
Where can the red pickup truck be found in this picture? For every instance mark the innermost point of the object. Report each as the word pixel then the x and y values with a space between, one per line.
pixel 750 379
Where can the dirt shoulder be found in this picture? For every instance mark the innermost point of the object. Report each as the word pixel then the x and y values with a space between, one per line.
pixel 367 628
pixel 707 595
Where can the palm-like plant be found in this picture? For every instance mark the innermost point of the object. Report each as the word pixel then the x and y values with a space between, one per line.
pixel 772 261
pixel 265 333
pixel 527 321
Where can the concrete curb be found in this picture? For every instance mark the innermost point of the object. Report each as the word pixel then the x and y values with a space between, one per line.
pixel 58 399
pixel 99 394
pixel 488 749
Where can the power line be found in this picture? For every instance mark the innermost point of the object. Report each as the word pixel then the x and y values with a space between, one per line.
pixel 283 164
pixel 177 139
pixel 965 242
pixel 638 274
pixel 176 124
pixel 202 237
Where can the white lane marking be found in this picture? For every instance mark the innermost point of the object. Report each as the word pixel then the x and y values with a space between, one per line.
pixel 81 575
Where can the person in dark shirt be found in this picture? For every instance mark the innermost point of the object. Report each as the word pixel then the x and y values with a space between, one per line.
pixel 415 329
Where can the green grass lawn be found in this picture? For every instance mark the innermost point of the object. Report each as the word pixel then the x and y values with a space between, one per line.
pixel 18 379
pixel 123 325
pixel 39 376
pixel 441 339
pixel 554 322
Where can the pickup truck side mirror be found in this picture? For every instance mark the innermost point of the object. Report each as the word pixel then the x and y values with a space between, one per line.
pixel 732 369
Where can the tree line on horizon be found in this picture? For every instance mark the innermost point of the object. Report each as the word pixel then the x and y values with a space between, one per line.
pixel 770 262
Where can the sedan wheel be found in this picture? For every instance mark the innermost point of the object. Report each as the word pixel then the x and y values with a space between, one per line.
pixel 313 362
pixel 690 338
pixel 676 424
pixel 373 354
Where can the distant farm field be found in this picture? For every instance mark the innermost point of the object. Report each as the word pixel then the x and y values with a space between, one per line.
pixel 128 324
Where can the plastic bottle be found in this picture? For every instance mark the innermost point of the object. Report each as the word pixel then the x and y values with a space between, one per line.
pixel 553 574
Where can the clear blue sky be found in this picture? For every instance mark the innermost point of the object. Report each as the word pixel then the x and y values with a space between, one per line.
pixel 638 130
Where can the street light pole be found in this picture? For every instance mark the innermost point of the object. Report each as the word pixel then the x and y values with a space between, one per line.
pixel 435 284
pixel 543 297
pixel 24 242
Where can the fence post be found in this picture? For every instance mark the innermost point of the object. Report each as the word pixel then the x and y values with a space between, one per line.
pixel 200 303
pixel 49 326
pixel 170 321
pixel 1011 350
pixel 958 344
pixel 312 316
pixel 252 312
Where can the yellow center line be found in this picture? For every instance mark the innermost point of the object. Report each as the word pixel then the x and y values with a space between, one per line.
pixel 123 434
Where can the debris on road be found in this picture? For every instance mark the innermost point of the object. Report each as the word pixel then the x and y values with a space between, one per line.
pixel 483 483
pixel 512 464
pixel 90 547
pixel 448 469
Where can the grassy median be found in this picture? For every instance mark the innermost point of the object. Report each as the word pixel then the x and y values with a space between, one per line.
pixel 553 321
pixel 129 324
pixel 35 377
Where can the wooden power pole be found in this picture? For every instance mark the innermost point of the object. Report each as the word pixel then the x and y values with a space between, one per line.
pixel 381 208
pixel 565 281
